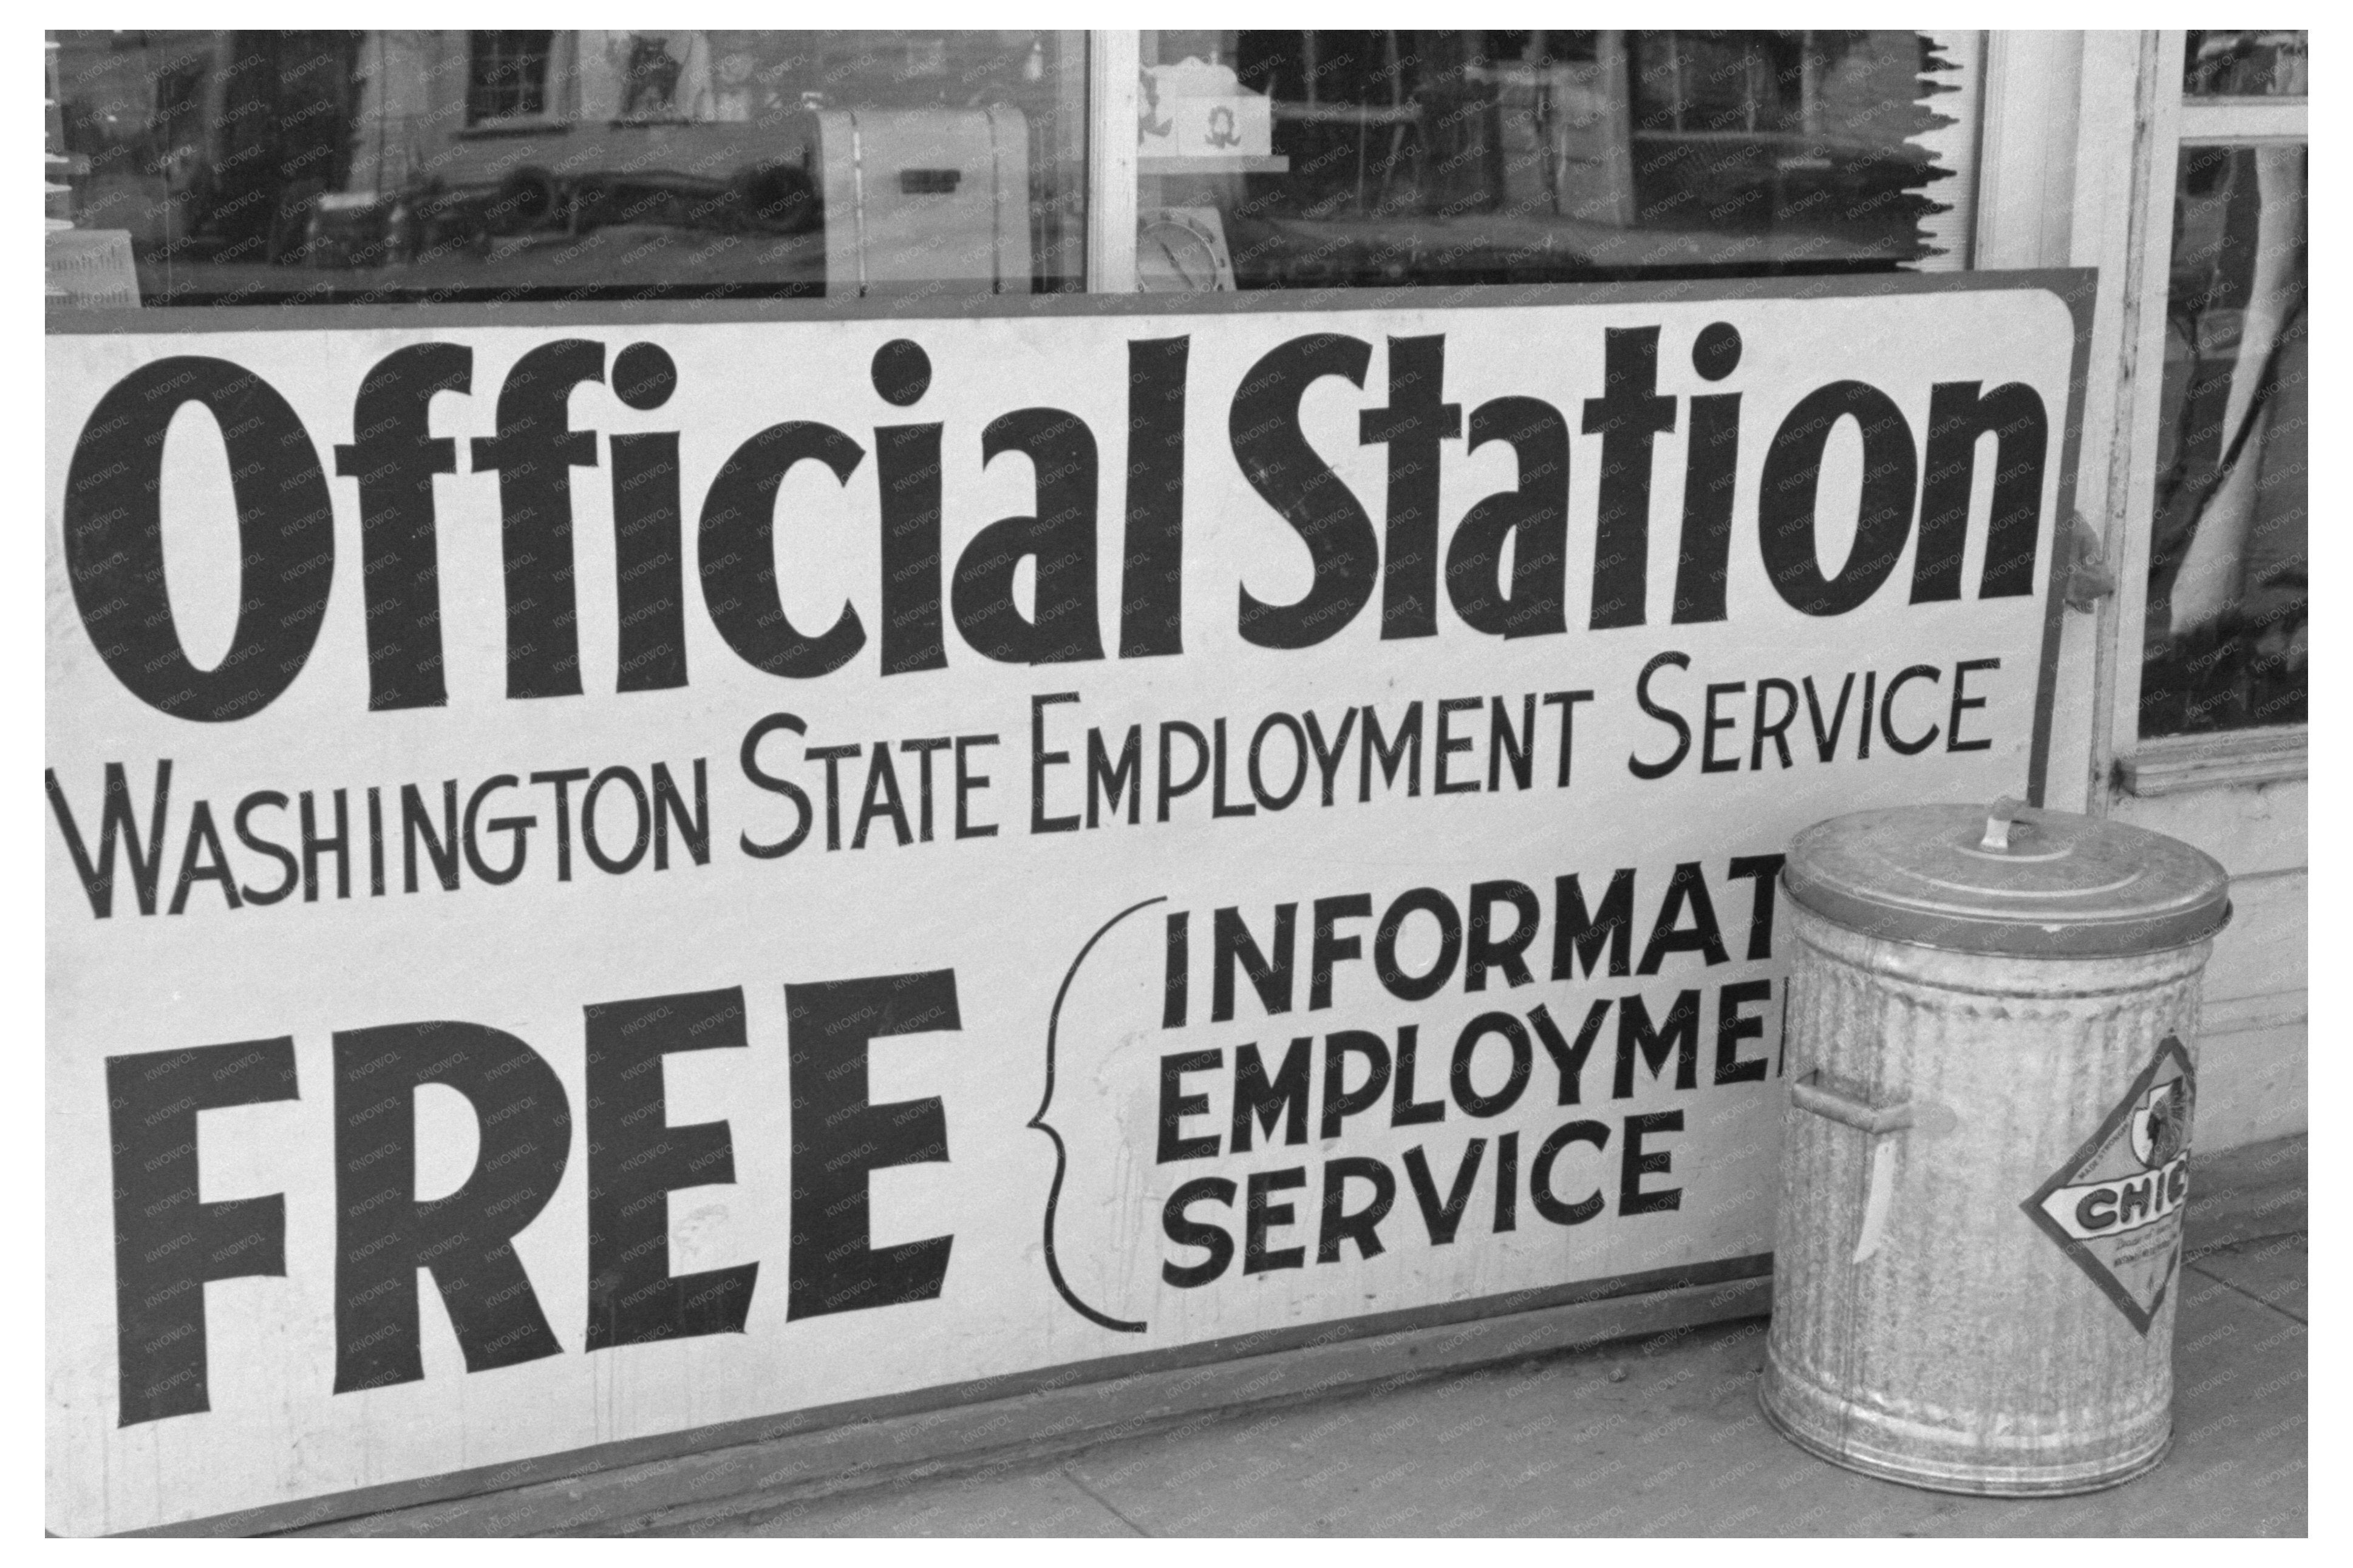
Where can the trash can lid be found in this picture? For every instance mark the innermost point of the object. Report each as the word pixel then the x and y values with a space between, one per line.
pixel 2008 879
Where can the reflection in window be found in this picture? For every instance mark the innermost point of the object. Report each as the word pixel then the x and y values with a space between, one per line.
pixel 1325 157
pixel 2226 642
pixel 2246 64
pixel 257 167
pixel 507 76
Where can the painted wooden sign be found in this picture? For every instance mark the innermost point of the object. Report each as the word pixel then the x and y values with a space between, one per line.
pixel 616 873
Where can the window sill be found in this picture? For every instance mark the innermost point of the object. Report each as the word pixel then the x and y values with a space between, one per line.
pixel 490 130
pixel 2174 764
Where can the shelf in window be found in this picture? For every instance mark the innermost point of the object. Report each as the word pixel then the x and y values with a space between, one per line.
pixel 1349 113
pixel 2173 764
pixel 1232 163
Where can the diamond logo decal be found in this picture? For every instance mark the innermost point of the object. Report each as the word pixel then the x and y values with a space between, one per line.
pixel 2115 1207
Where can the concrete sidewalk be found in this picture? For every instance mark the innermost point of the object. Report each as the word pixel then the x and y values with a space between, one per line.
pixel 1656 1436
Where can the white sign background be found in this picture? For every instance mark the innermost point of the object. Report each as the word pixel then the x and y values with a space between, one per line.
pixel 1008 914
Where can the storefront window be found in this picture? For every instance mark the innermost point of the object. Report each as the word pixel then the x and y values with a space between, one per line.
pixel 1295 159
pixel 2228 587
pixel 253 168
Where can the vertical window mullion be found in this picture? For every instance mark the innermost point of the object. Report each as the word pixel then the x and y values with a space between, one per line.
pixel 1111 65
pixel 2026 167
pixel 2132 471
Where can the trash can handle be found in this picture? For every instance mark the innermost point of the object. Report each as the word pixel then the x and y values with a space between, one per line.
pixel 1999 816
pixel 1807 1094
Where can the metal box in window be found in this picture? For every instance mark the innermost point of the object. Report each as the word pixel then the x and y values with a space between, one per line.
pixel 918 196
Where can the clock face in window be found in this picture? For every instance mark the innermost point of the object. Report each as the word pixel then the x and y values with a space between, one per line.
pixel 1181 252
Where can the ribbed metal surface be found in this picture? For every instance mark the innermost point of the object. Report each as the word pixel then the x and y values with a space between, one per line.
pixel 1967 1351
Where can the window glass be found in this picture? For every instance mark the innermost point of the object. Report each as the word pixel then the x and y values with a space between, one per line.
pixel 2226 636
pixel 506 75
pixel 260 167
pixel 1288 159
pixel 2250 63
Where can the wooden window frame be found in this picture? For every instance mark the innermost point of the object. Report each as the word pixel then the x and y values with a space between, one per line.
pixel 2075 169
pixel 554 86
pixel 2169 119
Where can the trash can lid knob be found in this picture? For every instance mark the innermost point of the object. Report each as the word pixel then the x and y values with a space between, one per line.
pixel 2008 879
pixel 1998 818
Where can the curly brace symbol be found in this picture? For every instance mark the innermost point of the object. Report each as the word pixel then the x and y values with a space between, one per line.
pixel 1061 1155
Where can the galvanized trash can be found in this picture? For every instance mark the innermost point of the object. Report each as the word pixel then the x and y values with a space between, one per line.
pixel 1992 1044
